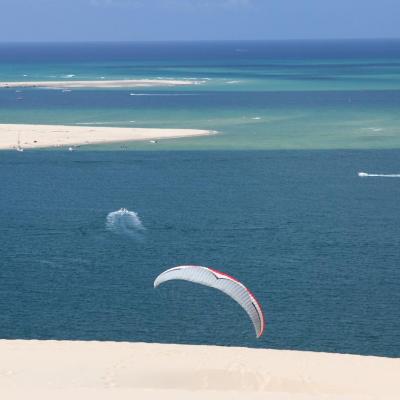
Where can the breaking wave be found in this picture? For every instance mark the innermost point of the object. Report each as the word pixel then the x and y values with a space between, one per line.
pixel 125 222
pixel 162 94
pixel 102 122
pixel 364 174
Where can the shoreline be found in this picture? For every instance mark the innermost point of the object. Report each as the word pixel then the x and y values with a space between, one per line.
pixel 122 370
pixel 31 136
pixel 117 83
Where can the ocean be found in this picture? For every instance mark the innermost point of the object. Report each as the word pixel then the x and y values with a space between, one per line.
pixel 274 199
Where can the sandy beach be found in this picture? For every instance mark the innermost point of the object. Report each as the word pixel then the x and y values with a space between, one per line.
pixel 42 136
pixel 122 83
pixel 83 370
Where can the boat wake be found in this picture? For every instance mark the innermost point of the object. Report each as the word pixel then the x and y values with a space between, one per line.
pixel 125 222
pixel 364 174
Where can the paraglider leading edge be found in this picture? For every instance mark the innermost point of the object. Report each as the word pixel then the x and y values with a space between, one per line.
pixel 218 280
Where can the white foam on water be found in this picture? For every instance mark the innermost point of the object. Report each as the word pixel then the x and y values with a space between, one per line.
pixel 162 94
pixel 91 123
pixel 372 131
pixel 125 222
pixel 365 174
pixel 195 81
pixel 232 82
pixel 102 122
pixel 375 129
pixel 68 76
pixel 256 118
pixel 199 80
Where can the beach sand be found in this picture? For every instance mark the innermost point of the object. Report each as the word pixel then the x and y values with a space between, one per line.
pixel 122 83
pixel 109 370
pixel 41 136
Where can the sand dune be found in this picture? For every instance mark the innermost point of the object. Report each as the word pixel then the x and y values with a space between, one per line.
pixel 121 83
pixel 40 136
pixel 105 370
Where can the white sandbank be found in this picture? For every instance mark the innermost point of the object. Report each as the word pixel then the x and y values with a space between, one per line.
pixel 50 370
pixel 41 136
pixel 121 83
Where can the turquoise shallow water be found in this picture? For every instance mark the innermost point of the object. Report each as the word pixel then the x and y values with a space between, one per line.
pixel 285 212
pixel 258 95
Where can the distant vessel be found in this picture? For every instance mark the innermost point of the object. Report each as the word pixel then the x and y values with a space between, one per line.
pixel 153 141
pixel 362 174
pixel 123 211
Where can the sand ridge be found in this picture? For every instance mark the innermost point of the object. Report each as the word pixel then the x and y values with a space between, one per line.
pixel 66 369
pixel 42 136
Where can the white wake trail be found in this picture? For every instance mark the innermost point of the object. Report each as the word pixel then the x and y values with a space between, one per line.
pixel 365 174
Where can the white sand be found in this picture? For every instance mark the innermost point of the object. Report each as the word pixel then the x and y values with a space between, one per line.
pixel 122 83
pixel 50 370
pixel 39 136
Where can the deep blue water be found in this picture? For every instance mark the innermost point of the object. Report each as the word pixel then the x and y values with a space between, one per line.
pixel 206 51
pixel 317 245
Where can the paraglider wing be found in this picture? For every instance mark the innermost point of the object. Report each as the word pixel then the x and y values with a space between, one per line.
pixel 218 280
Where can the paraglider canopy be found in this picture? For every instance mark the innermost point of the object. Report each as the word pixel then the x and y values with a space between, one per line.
pixel 223 282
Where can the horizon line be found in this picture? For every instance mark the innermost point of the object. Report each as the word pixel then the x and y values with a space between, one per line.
pixel 200 40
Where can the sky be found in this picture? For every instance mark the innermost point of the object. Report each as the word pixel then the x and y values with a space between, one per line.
pixel 154 20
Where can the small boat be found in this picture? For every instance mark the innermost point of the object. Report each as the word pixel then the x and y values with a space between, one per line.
pixel 19 148
pixel 362 174
pixel 153 141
